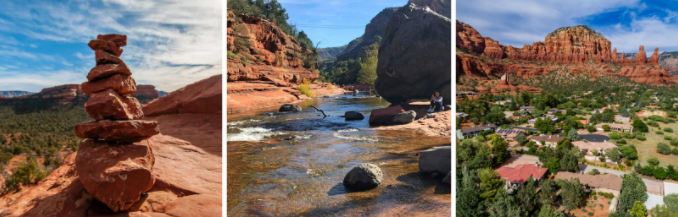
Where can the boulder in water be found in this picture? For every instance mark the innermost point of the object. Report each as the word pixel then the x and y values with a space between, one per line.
pixel 353 116
pixel 289 108
pixel 404 117
pixel 384 116
pixel 363 177
pixel 435 160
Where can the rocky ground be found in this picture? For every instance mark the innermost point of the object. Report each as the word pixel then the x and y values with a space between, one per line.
pixel 249 98
pixel 437 124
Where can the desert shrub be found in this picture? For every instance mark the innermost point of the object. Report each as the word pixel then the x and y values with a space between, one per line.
pixel 668 130
pixel 615 135
pixel 606 128
pixel 29 172
pixel 305 88
pixel 663 148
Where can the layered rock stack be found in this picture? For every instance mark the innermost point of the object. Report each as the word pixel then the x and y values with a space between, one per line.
pixel 115 160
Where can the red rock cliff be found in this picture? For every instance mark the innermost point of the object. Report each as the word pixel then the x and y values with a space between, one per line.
pixel 575 47
pixel 259 50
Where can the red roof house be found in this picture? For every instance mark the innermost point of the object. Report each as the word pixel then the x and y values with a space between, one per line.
pixel 521 173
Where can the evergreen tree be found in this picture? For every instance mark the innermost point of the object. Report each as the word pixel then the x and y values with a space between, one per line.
pixel 633 189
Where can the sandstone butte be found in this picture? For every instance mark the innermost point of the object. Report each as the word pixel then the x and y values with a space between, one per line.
pixel 265 67
pixel 189 143
pixel 577 49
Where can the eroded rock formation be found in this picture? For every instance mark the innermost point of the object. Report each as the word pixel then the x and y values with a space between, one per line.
pixel 115 160
pixel 260 50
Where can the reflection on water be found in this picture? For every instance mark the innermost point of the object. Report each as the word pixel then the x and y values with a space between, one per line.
pixel 293 164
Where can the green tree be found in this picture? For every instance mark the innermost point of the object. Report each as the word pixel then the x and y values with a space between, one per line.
pixel 638 210
pixel 368 65
pixel 468 195
pixel 527 195
pixel 573 194
pixel 549 211
pixel 490 184
pixel 639 126
pixel 671 202
pixel 499 148
pixel 505 206
pixel 633 189
pixel 548 192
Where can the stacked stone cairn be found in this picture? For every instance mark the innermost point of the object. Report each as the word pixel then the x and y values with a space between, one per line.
pixel 115 160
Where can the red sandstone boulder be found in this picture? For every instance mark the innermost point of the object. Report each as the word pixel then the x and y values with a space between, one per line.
pixel 104 71
pixel 109 105
pixel 117 175
pixel 117 131
pixel 121 84
pixel 118 39
pixel 103 57
pixel 105 45
pixel 384 116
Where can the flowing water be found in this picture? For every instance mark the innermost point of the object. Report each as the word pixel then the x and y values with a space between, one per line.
pixel 292 164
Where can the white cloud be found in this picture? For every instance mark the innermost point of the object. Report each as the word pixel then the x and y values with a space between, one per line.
pixel 170 42
pixel 507 20
pixel 652 32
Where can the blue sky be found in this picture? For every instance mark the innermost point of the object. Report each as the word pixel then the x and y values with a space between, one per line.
pixel 335 22
pixel 171 43
pixel 626 23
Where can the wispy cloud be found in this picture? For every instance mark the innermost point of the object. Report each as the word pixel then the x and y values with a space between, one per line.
pixel 169 41
pixel 519 22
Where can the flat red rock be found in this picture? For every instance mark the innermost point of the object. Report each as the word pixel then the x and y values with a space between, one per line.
pixel 118 39
pixel 117 131
pixel 109 105
pixel 117 175
pixel 105 45
pixel 103 57
pixel 107 70
pixel 121 84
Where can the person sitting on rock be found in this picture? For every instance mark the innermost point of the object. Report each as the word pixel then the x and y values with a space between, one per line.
pixel 436 102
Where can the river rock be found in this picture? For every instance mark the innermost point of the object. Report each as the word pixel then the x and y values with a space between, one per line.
pixel 117 175
pixel 117 131
pixel 109 105
pixel 435 160
pixel 404 117
pixel 384 116
pixel 105 45
pixel 289 108
pixel 363 177
pixel 121 84
pixel 106 70
pixel 353 116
